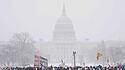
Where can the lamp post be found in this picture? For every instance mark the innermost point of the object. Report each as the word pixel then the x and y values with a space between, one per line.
pixel 74 53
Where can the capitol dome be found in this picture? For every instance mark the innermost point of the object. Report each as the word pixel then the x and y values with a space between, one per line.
pixel 64 30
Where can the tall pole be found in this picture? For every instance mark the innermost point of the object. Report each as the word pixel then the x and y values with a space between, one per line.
pixel 74 53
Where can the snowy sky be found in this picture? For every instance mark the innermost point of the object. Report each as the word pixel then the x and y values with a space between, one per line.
pixel 93 19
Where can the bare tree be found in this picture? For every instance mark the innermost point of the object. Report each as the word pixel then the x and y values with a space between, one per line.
pixel 20 49
pixel 21 39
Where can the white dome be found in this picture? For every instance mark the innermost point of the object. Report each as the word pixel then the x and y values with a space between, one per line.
pixel 64 30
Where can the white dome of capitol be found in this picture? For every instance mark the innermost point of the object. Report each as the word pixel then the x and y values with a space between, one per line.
pixel 64 29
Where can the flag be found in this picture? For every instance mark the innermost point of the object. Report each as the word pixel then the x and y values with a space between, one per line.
pixel 98 55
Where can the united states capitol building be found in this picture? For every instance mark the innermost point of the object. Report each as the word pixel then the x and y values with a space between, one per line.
pixel 64 42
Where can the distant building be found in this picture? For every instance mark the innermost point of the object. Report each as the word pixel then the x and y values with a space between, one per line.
pixel 64 42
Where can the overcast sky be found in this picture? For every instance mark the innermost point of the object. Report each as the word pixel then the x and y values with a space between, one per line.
pixel 93 19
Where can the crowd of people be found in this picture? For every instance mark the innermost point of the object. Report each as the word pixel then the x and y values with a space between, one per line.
pixel 122 67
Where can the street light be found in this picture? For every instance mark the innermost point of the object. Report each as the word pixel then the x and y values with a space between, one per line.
pixel 74 53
